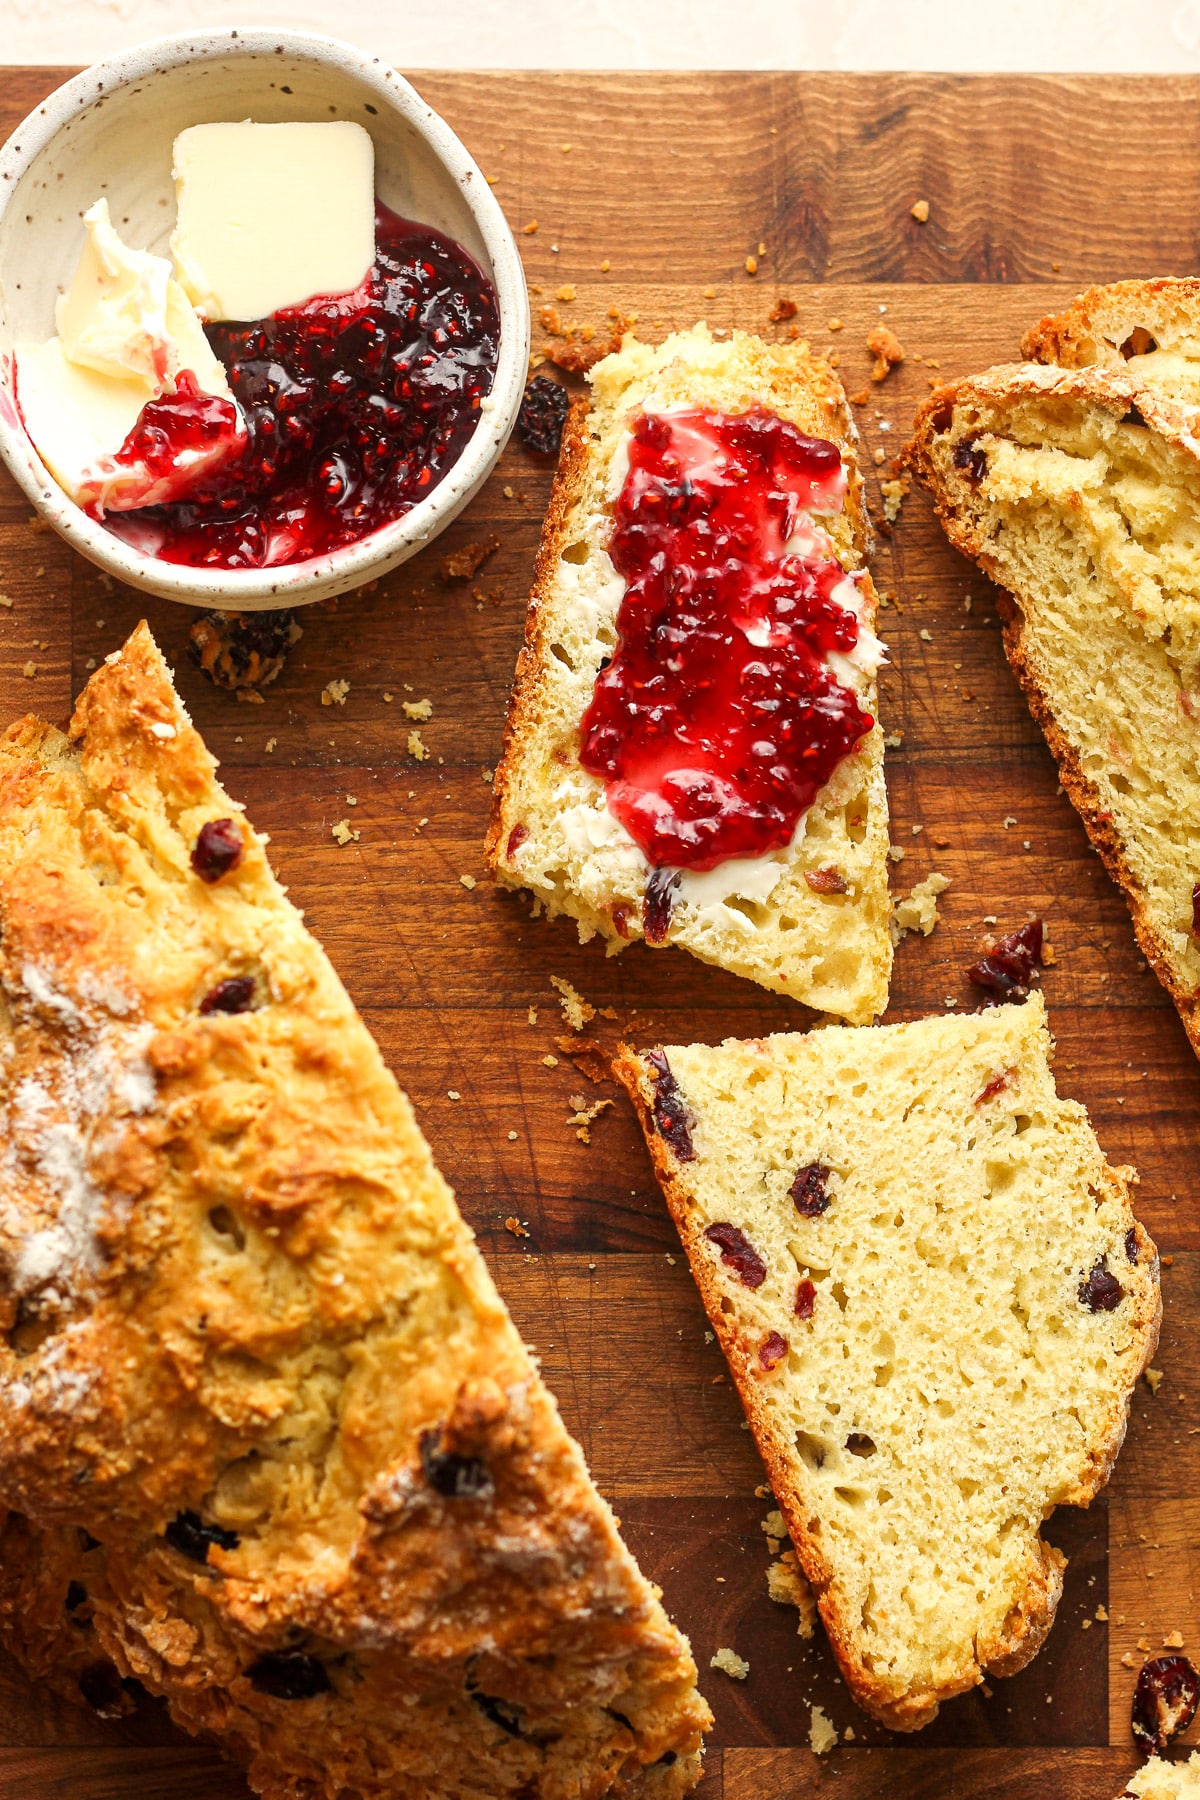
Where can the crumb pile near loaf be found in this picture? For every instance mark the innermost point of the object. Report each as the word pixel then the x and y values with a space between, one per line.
pixel 269 1440
pixel 1159 1780
pixel 935 1301
pixel 825 942
pixel 1078 490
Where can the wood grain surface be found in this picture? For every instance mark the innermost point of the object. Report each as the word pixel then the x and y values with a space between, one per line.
pixel 649 194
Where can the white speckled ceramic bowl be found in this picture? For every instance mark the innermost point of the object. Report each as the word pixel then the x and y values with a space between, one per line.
pixel 110 131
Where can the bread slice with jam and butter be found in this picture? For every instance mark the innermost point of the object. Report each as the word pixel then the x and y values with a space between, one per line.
pixel 697 762
pixel 1078 491
pixel 935 1301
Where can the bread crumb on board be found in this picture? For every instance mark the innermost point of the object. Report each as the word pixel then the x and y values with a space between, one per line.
pixel 334 693
pixel 576 1010
pixel 344 832
pixel 731 1664
pixel 788 1585
pixel 822 1733
pixel 418 709
pixel 887 350
pixel 918 910
pixel 920 211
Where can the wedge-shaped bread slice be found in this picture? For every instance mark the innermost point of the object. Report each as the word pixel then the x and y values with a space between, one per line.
pixel 935 1302
pixel 270 1441
pixel 810 920
pixel 1148 330
pixel 1079 493
pixel 1159 1780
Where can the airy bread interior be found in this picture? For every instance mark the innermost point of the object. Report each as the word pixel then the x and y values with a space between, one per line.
pixel 552 832
pixel 264 1419
pixel 1079 493
pixel 1147 330
pixel 923 1377
pixel 1158 1780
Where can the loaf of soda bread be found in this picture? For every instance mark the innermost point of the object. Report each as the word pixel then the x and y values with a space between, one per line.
pixel 1148 330
pixel 935 1302
pixel 269 1441
pixel 822 940
pixel 1079 493
pixel 1158 1780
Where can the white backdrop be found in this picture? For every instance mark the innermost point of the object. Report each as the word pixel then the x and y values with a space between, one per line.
pixel 1117 35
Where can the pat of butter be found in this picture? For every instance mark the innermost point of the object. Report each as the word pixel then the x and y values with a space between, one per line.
pixel 125 316
pixel 270 216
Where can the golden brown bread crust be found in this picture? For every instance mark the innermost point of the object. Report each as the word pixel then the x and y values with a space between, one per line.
pixel 236 1298
pixel 1097 326
pixel 1114 393
pixel 1026 1626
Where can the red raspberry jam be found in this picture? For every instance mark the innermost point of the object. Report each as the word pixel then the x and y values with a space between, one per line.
pixel 355 406
pixel 717 721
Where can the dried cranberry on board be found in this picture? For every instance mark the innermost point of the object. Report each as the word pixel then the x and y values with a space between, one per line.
pixel 1009 969
pixel 806 1300
pixel 738 1253
pixel 217 850
pixel 1100 1291
pixel 289 1675
pixel 673 1116
pixel 971 461
pixel 543 414
pixel 658 904
pixel 455 1477
pixel 236 995
pixel 193 1536
pixel 772 1350
pixel 808 1191
pixel 1164 1701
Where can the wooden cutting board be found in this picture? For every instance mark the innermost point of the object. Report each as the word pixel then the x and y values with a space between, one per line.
pixel 649 193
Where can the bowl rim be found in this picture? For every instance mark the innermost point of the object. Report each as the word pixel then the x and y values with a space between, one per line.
pixel 352 564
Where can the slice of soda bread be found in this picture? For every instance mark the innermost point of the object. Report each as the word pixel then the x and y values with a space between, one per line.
pixel 935 1301
pixel 811 920
pixel 1148 330
pixel 270 1440
pixel 1158 1780
pixel 1079 492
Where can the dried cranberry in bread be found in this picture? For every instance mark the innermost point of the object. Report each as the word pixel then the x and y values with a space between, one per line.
pixel 935 1301
pixel 802 908
pixel 1079 492
pixel 270 1441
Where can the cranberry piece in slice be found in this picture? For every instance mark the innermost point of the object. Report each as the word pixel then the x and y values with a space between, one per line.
pixel 806 1300
pixel 1164 1701
pixel 672 1114
pixel 659 904
pixel 516 838
pixel 808 1191
pixel 1100 1290
pixel 192 1536
pixel 1131 1244
pixel 543 414
pixel 236 995
pixel 772 1350
pixel 217 849
pixel 826 881
pixel 971 460
pixel 1010 967
pixel 738 1253
pixel 456 1477
pixel 1001 1080
pixel 289 1675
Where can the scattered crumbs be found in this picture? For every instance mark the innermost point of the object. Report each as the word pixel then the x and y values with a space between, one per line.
pixel 512 1137
pixel 453 1094
pixel 896 853
pixel 919 210
pixel 350 800
pixel 566 291
pixel 469 882
pixel 532 1015
pixel 1129 1661
pixel 583 1117
pixel 1144 1645
pixel 918 910
pixel 576 1010
pixel 848 1734
pixel 334 693
pixel 894 739
pixel 5 600
pixel 1085 1624
pixel 783 309
pixel 879 457
pixel 731 1664
pixel 836 325
pixel 416 748
pixel 514 1225
pixel 344 833
pixel 389 698
pixel 893 497
pixel 270 745
pixel 605 266
pixel 1173 1641
pixel 822 1735
pixel 1008 822
pixel 550 1062
pixel 917 830
pixel 418 709
pixel 752 265
pixel 925 636
pixel 465 564
pixel 29 670
pixel 788 1586
pixel 887 350
pixel 530 228
pixel 861 398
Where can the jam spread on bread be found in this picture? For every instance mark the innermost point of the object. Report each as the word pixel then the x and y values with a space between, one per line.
pixel 355 406
pixel 718 718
